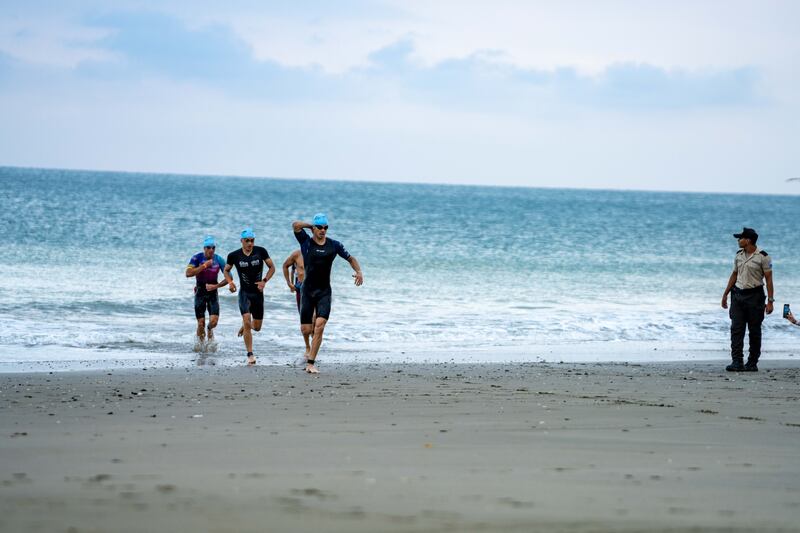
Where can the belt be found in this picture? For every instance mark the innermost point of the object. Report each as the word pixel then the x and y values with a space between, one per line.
pixel 737 290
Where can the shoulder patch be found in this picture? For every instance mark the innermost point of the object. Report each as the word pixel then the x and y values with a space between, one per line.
pixel 762 252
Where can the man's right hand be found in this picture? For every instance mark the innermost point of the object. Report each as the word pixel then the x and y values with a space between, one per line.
pixel 207 263
pixel 725 302
pixel 232 286
pixel 291 287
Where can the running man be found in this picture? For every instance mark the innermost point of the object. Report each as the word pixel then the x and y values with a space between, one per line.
pixel 249 260
pixel 205 267
pixel 295 283
pixel 318 255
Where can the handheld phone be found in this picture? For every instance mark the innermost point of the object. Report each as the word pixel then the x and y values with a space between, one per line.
pixel 785 310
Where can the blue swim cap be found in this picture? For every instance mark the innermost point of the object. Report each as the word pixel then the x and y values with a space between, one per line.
pixel 247 233
pixel 320 220
pixel 209 242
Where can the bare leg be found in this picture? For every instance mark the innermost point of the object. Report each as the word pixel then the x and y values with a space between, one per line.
pixel 248 338
pixel 212 323
pixel 319 328
pixel 308 334
pixel 306 331
pixel 201 335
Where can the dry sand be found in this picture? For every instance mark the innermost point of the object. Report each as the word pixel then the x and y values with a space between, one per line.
pixel 537 447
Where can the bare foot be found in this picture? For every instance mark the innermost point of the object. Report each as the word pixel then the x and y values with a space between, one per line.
pixel 251 359
pixel 241 332
pixel 310 368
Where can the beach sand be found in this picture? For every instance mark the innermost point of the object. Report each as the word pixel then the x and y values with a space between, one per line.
pixel 363 448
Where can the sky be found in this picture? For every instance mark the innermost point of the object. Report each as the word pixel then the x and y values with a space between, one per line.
pixel 696 95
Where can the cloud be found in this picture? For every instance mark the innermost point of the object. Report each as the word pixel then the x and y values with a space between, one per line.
pixel 486 79
pixel 646 86
pixel 185 89
pixel 157 43
pixel 153 44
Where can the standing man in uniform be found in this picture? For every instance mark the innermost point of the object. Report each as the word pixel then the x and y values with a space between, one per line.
pixel 295 282
pixel 249 261
pixel 318 254
pixel 205 267
pixel 751 266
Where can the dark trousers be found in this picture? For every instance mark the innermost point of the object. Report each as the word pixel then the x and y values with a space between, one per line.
pixel 746 311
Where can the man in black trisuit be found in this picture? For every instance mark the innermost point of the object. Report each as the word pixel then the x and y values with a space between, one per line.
pixel 249 262
pixel 318 255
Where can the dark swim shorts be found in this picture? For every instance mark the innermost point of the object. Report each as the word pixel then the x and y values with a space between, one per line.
pixel 318 301
pixel 206 301
pixel 253 303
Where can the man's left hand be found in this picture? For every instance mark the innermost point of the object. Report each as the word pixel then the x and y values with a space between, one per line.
pixel 770 308
pixel 261 285
pixel 359 278
pixel 211 286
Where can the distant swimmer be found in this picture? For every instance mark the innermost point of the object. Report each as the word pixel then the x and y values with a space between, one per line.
pixel 295 282
pixel 249 261
pixel 318 254
pixel 205 267
pixel 751 267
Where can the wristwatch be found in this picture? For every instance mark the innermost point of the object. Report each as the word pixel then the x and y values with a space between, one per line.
pixel 771 300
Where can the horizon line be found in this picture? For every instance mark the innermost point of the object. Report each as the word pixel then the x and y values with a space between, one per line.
pixel 391 182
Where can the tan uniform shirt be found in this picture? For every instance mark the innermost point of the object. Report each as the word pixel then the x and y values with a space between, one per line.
pixel 750 269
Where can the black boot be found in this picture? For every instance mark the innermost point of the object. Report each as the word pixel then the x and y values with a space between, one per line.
pixel 751 365
pixel 736 366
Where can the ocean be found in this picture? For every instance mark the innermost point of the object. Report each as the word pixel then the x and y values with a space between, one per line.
pixel 452 273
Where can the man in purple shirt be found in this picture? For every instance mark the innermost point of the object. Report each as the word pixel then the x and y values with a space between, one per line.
pixel 205 267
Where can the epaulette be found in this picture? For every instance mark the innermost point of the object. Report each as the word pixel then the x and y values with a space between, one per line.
pixel 762 252
pixel 741 251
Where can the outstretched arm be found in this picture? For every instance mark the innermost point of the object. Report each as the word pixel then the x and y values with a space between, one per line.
pixel 359 277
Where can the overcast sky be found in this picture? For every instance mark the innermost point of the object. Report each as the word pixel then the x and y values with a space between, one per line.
pixel 681 95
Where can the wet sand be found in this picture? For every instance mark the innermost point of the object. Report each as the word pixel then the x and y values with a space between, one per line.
pixel 364 448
